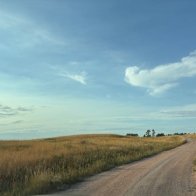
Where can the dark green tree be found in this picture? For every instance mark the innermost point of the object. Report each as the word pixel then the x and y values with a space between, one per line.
pixel 153 133
pixel 148 133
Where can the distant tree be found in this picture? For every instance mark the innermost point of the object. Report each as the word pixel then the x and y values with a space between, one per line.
pixel 180 133
pixel 160 135
pixel 148 133
pixel 177 133
pixel 132 134
pixel 153 133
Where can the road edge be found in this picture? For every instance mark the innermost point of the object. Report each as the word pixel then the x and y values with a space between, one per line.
pixel 194 176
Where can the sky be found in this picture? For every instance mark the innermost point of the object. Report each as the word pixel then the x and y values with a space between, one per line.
pixel 117 66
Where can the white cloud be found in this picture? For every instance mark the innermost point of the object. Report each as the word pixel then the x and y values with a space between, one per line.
pixel 81 78
pixel 162 77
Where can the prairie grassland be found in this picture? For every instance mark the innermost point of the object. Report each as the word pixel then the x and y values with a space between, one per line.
pixel 192 136
pixel 42 166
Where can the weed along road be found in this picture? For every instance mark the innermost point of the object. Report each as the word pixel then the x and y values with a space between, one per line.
pixel 167 174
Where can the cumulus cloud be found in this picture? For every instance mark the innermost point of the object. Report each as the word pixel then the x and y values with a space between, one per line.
pixel 162 77
pixel 81 78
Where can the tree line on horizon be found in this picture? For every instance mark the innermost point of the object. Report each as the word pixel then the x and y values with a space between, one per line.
pixel 152 133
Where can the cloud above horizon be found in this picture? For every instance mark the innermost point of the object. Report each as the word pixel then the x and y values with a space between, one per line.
pixel 162 77
pixel 81 77
pixel 6 111
pixel 185 111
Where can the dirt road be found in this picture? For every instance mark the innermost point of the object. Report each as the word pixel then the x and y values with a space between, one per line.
pixel 166 174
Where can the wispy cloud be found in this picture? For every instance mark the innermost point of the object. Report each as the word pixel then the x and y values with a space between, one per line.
pixel 163 77
pixel 166 113
pixel 8 20
pixel 6 111
pixel 186 111
pixel 81 77
pixel 16 122
pixel 23 32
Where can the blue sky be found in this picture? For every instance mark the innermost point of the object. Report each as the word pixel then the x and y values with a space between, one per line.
pixel 72 67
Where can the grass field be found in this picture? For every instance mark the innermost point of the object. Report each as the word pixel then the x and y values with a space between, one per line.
pixel 42 166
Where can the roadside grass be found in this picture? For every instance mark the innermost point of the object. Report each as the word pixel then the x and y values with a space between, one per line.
pixel 194 162
pixel 43 166
pixel 192 136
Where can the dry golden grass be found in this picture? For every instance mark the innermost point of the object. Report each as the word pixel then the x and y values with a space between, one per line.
pixel 192 136
pixel 40 166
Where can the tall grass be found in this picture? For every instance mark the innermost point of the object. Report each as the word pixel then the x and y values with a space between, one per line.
pixel 42 166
